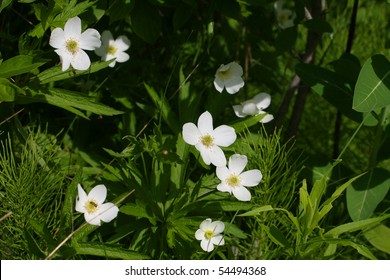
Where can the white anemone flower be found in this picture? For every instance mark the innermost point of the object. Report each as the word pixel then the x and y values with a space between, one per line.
pixel 254 107
pixel 285 17
pixel 209 234
pixel 70 44
pixel 111 48
pixel 229 76
pixel 235 181
pixel 93 207
pixel 207 140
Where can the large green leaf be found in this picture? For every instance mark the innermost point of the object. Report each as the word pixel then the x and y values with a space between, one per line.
pixel 372 87
pixel 366 193
pixel 379 236
pixel 19 64
pixel 8 90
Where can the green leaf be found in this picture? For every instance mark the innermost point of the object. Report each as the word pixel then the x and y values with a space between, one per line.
pixel 8 90
pixel 372 87
pixel 133 209
pixel 69 100
pixel 361 249
pixel 330 86
pixel 4 4
pixel 318 26
pixel 56 74
pixel 286 39
pixel 19 64
pixel 257 211
pixel 120 10
pixel 108 251
pixel 146 21
pixel 276 236
pixel 245 123
pixel 366 193
pixel 379 237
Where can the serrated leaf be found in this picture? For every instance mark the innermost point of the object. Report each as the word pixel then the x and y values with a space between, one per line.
pixel 20 64
pixel 372 87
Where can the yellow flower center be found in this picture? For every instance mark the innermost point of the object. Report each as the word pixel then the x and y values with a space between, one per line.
pixel 224 75
pixel 72 46
pixel 207 140
pixel 209 234
pixel 111 49
pixel 91 205
pixel 233 180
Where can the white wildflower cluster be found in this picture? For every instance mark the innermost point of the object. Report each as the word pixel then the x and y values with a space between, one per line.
pixel 70 45
pixel 208 141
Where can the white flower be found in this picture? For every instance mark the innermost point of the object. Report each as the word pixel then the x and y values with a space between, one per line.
pixel 70 44
pixel 207 140
pixel 234 181
pixel 111 48
pixel 229 76
pixel 209 234
pixel 254 107
pixel 93 207
pixel 285 17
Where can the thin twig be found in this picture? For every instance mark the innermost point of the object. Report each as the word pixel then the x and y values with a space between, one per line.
pixel 6 216
pixel 12 116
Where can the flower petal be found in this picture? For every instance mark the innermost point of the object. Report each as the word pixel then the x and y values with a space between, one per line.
pixel 206 245
pixel 224 135
pixel 217 227
pixel 223 187
pixel 106 37
pixel 241 193
pixel 72 28
pixel 234 84
pixel 205 123
pixel 251 178
pixel 92 218
pixel 238 111
pixel 90 39
pixel 57 38
pixel 65 57
pixel 81 61
pixel 81 199
pixel 108 211
pixel 267 118
pixel 199 234
pixel 204 153
pixel 99 193
pixel 237 163
pixel 205 225
pixel 217 156
pixel 235 69
pixel 222 172
pixel 262 100
pixel 122 43
pixel 218 240
pixel 122 57
pixel 219 84
pixel 191 133
pixel 249 107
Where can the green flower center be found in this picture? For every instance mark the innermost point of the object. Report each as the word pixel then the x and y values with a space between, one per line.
pixel 224 75
pixel 91 205
pixel 209 234
pixel 72 46
pixel 207 140
pixel 233 181
pixel 111 49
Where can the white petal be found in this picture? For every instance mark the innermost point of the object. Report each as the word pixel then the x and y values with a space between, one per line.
pixel 122 43
pixel 112 64
pixel 204 153
pixel 80 61
pixel 249 108
pixel 199 234
pixel 108 212
pixel 72 28
pixel 122 57
pixel 222 172
pixel 262 100
pixel 57 38
pixel 191 133
pixel 217 227
pixel 218 240
pixel 223 187
pixel 90 39
pixel 81 199
pixel 238 111
pixel 251 178
pixel 206 245
pixel 237 163
pixel 223 67
pixel 205 225
pixel 267 118
pixel 234 84
pixel 218 84
pixel 205 123
pixel 217 156
pixel 106 38
pixel 92 218
pixel 99 193
pixel 224 135
pixel 235 69
pixel 65 57
pixel 241 193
